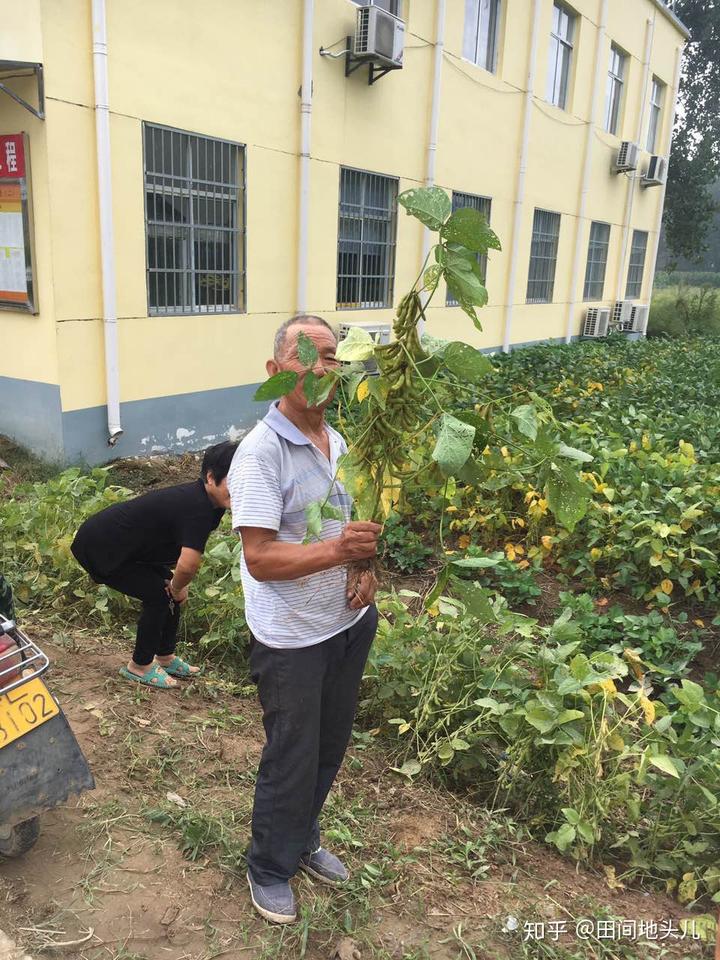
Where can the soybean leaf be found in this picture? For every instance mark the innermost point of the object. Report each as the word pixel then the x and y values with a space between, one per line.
pixel 567 495
pixel 317 389
pixel 357 345
pixel 527 422
pixel 277 386
pixel 470 228
pixel 665 763
pixel 476 600
pixel 466 362
pixel 352 383
pixel 431 276
pixel 410 769
pixel 313 519
pixel 454 444
pixel 306 349
pixel 330 512
pixel 477 563
pixel 430 205
pixel 433 345
pixel 572 453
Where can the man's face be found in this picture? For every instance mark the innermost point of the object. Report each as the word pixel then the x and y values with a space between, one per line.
pixel 218 492
pixel 325 345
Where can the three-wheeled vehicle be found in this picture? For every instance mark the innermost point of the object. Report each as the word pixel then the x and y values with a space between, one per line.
pixel 41 763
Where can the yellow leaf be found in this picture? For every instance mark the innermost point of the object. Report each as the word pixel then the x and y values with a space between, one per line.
pixel 510 551
pixel 451 509
pixel 433 611
pixel 464 541
pixel 612 880
pixel 616 742
pixel 519 549
pixel 608 686
pixel 699 623
pixel 595 553
pixel 667 586
pixel 524 564
pixel 635 663
pixel 648 709
pixel 547 542
pixel 363 390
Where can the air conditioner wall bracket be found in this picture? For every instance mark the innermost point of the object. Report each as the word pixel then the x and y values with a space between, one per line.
pixel 375 72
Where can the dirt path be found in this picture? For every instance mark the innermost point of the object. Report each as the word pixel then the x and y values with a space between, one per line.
pixel 433 877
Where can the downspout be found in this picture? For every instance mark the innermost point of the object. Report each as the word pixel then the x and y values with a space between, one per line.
pixel 305 123
pixel 661 206
pixel 433 134
pixel 649 33
pixel 587 169
pixel 522 172
pixel 107 244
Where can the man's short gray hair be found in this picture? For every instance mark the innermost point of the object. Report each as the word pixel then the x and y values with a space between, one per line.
pixel 299 318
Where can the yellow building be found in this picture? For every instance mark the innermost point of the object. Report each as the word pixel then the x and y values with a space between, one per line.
pixel 196 172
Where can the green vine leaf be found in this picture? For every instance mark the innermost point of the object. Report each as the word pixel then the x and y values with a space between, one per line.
pixel 454 444
pixel 430 205
pixel 278 386
pixel 307 351
pixel 470 228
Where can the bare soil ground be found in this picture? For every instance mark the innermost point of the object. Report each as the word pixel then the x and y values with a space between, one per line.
pixel 134 875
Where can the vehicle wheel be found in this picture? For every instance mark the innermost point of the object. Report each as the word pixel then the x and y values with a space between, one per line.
pixel 14 841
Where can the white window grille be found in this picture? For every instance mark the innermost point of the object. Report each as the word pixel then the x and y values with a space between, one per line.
pixel 636 265
pixel 480 39
pixel 560 55
pixel 194 223
pixel 657 92
pixel 482 205
pixel 543 256
pixel 614 91
pixel 366 239
pixel 596 261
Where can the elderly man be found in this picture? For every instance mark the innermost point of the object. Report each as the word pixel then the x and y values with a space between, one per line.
pixel 310 639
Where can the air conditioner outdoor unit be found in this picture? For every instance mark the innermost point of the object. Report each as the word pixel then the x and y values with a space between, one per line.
pixel 379 36
pixel 627 157
pixel 639 317
pixel 622 314
pixel 597 321
pixel 380 332
pixel 656 173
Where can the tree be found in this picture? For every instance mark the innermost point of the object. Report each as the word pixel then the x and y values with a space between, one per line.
pixel 695 155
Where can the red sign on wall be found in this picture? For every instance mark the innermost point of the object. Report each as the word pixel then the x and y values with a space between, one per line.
pixel 12 156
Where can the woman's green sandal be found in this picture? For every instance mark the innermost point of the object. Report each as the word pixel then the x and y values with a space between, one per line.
pixel 180 669
pixel 155 677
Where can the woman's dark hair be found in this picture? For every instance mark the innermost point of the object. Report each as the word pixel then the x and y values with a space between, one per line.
pixel 217 460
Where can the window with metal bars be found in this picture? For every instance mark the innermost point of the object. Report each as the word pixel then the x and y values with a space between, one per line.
pixel 614 90
pixel 366 239
pixel 392 6
pixel 636 266
pixel 543 256
pixel 481 33
pixel 560 55
pixel 482 205
pixel 596 261
pixel 657 91
pixel 195 223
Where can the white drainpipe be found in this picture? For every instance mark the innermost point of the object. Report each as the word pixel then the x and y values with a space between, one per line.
pixel 649 32
pixel 658 224
pixel 305 123
pixel 107 247
pixel 587 168
pixel 522 172
pixel 434 127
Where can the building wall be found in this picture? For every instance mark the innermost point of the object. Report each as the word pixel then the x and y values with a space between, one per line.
pixel 232 71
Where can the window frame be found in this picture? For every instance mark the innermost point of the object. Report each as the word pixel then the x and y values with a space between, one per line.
pixel 656 109
pixel 186 234
pixel 535 240
pixel 493 34
pixel 615 88
pixel 397 6
pixel 388 276
pixel 636 270
pixel 596 267
pixel 480 257
pixel 561 45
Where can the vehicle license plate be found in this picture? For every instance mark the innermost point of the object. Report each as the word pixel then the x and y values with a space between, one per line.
pixel 23 709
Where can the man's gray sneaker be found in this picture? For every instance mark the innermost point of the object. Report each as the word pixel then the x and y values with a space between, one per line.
pixel 275 903
pixel 324 866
